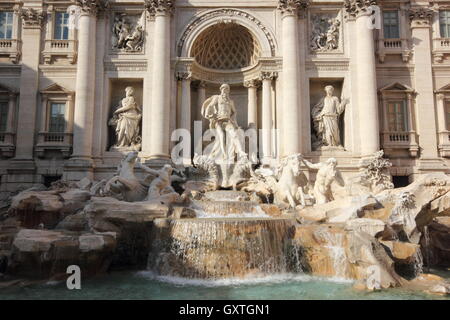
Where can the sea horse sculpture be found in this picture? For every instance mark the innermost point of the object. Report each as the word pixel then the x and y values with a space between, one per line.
pixel 125 183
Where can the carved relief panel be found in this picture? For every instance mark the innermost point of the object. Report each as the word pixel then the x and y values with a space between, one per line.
pixel 127 32
pixel 325 32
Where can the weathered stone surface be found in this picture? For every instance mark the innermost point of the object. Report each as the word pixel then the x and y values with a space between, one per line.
pixel 409 219
pixel 429 283
pixel 113 210
pixel 131 221
pixel 340 210
pixel 183 212
pixel 370 226
pixel 441 206
pixel 74 222
pixel 47 208
pixel 269 209
pixel 436 243
pixel 330 250
pixel 44 253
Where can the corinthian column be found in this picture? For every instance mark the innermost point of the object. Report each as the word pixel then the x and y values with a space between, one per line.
pixel 292 139
pixel 85 80
pixel 366 74
pixel 161 10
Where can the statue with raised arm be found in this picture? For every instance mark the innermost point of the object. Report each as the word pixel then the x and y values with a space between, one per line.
pixel 126 120
pixel 325 116
pixel 326 174
pixel 221 113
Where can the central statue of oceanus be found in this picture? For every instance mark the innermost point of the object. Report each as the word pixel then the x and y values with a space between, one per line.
pixel 227 148
pixel 221 113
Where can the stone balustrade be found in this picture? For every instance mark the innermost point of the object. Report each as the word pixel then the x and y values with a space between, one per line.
pixel 393 47
pixel 392 140
pixel 60 48
pixel 60 141
pixel 10 48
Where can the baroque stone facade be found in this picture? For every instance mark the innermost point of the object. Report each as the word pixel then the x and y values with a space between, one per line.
pixel 67 67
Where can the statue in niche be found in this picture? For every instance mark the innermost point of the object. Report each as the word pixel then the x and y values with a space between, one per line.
pixel 221 113
pixel 325 33
pixel 126 120
pixel 326 175
pixel 127 37
pixel 326 116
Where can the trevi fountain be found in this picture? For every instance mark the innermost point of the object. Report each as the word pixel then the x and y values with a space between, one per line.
pixel 258 230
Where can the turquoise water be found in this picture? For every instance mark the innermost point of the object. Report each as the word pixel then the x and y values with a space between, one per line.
pixel 143 285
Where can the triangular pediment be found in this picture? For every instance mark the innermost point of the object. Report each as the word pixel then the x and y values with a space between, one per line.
pixel 396 86
pixel 444 88
pixel 55 89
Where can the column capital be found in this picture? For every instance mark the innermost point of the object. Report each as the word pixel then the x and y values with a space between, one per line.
pixel 159 7
pixel 91 7
pixel 32 18
pixel 268 75
pixel 184 75
pixel 252 83
pixel 421 17
pixel 356 8
pixel 293 7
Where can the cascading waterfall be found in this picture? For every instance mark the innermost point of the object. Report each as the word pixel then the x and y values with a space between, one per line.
pixel 426 248
pixel 225 248
pixel 335 245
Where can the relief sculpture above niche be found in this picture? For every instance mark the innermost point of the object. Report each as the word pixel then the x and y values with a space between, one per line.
pixel 325 32
pixel 128 32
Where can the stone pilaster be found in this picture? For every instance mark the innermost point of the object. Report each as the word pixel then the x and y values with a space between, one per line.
pixel 161 11
pixel 291 10
pixel 366 81
pixel 421 19
pixel 32 21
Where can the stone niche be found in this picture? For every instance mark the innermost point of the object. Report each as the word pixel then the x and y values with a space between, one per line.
pixel 117 93
pixel 317 93
pixel 239 94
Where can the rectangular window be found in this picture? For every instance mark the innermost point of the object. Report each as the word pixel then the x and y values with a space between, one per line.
pixel 447 114
pixel 444 23
pixel 390 25
pixel 397 116
pixel 57 121
pixel 61 26
pixel 6 25
pixel 3 115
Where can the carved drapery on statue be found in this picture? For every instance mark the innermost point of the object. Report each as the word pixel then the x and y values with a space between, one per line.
pixel 127 33
pixel 325 32
pixel 126 121
pixel 326 115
